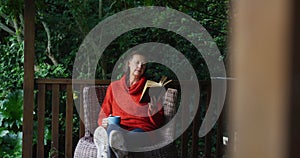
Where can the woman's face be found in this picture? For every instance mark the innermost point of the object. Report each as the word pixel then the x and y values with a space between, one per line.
pixel 137 65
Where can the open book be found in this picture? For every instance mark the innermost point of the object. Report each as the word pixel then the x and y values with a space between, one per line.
pixel 153 88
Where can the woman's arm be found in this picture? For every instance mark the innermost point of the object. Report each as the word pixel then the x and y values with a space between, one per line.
pixel 155 112
pixel 106 108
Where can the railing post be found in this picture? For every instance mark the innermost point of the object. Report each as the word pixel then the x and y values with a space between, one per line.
pixel 195 131
pixel 207 138
pixel 69 122
pixel 219 145
pixel 196 125
pixel 41 120
pixel 81 113
pixel 55 120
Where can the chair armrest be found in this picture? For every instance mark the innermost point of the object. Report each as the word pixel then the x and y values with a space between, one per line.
pixel 93 97
pixel 169 104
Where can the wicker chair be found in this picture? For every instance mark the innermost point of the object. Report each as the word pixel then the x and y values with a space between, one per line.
pixel 86 147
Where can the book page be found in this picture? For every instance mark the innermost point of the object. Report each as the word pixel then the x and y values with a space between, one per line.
pixel 151 84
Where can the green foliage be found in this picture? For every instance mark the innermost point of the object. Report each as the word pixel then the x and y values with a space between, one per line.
pixel 144 35
pixel 11 66
pixel 51 71
pixel 11 110
pixel 11 8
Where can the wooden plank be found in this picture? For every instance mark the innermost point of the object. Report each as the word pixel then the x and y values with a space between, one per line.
pixel 184 144
pixel 208 144
pixel 69 122
pixel 55 120
pixel 81 113
pixel 28 86
pixel 70 81
pixel 220 125
pixel 185 118
pixel 195 132
pixel 219 145
pixel 104 82
pixel 41 120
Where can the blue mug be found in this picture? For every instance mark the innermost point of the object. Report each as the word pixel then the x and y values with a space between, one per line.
pixel 114 120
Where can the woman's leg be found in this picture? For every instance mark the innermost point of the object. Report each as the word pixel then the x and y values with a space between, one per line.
pixel 117 141
pixel 112 127
pixel 101 142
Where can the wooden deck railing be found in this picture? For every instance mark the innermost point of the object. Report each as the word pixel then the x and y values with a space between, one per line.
pixel 212 144
pixel 189 144
pixel 56 86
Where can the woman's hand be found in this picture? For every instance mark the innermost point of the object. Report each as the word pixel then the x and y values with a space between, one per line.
pixel 105 122
pixel 153 105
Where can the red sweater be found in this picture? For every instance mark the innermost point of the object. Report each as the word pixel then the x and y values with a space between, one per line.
pixel 123 101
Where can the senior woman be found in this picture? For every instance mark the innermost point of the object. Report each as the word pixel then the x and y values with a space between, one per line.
pixel 148 116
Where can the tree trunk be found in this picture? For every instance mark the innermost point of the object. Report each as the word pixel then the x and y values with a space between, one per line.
pixel 17 30
pixel 7 29
pixel 48 49
pixel 104 68
pixel 100 9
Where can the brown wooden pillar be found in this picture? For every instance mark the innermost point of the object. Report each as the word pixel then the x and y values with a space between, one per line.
pixel 28 86
pixel 261 47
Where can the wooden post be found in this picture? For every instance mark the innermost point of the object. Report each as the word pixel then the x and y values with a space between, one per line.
pixel 294 85
pixel 261 49
pixel 28 86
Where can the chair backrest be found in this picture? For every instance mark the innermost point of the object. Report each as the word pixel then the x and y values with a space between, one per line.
pixel 93 97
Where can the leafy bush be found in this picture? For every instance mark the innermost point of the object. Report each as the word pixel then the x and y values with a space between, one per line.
pixel 11 114
pixel 11 66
